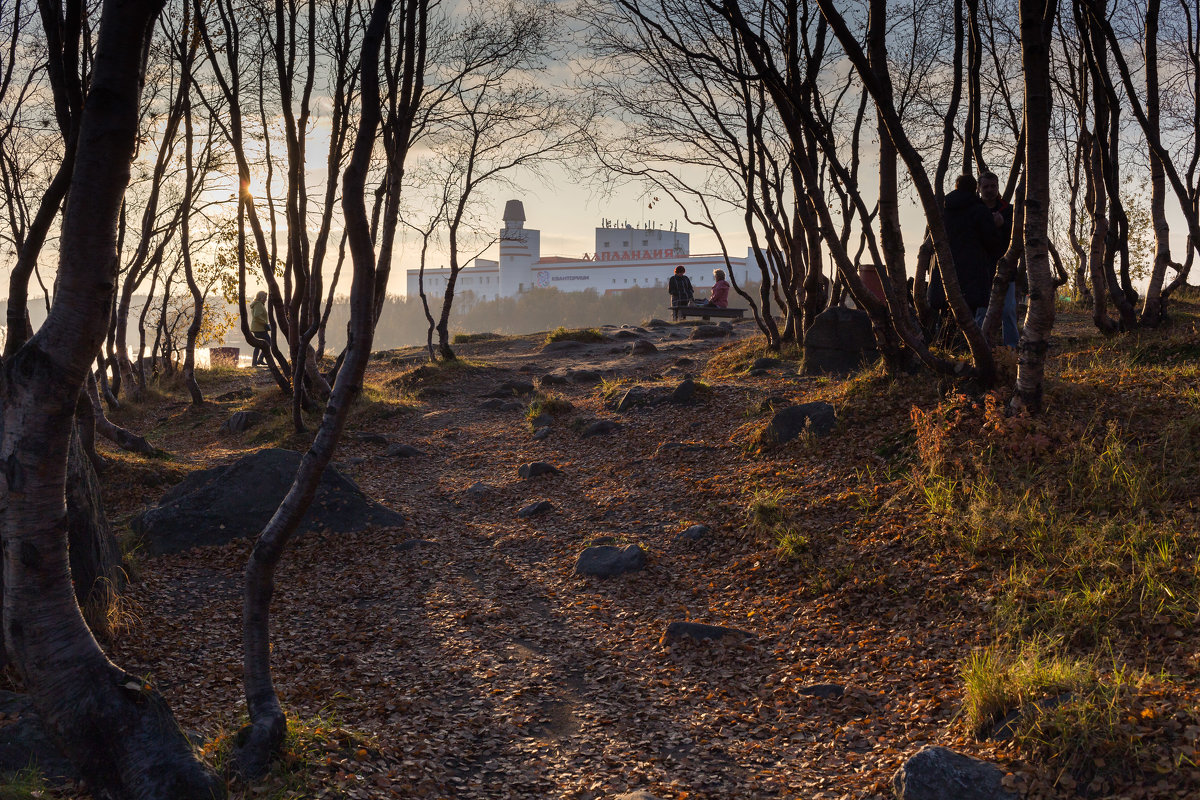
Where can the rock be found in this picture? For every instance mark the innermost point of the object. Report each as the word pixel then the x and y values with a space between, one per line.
pixel 642 348
pixel 684 392
pixel 758 373
pixel 683 361
pixel 657 323
pixel 790 422
pixel 542 420
pixel 536 468
pixel 24 742
pixel 607 561
pixel 541 433
pixel 369 438
pixel 709 332
pixel 676 631
pixel 243 421
pixel 634 396
pixel 937 773
pixel 354 461
pixel 412 544
pixel 600 428
pixel 826 691
pixel 245 393
pixel 694 534
pixel 497 404
pixel 774 402
pixel 839 342
pixel 561 346
pixel 585 376
pixel 403 451
pixel 626 334
pixel 511 389
pixel 726 325
pixel 218 505
pixel 765 363
pixel 553 379
pixel 533 509
pixel 479 489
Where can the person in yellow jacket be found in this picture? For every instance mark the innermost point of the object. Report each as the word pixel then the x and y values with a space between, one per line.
pixel 260 327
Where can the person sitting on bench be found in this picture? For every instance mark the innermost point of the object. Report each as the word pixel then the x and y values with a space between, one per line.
pixel 720 291
pixel 680 287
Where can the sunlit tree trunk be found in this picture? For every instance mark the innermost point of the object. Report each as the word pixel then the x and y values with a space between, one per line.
pixel 1037 20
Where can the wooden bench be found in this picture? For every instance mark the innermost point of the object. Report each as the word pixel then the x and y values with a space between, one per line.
pixel 704 312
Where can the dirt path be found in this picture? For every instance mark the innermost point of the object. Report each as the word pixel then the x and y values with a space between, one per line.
pixel 484 668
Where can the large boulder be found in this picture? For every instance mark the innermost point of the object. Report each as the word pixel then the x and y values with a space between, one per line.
pixel 608 561
pixel 839 342
pixel 790 421
pixel 215 506
pixel 936 773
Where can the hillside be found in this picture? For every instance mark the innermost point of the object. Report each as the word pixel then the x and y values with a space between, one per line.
pixel 928 568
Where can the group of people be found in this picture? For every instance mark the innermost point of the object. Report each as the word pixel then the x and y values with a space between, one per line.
pixel 979 225
pixel 682 293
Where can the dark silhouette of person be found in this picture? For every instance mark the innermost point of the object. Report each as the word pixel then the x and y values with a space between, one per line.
pixel 680 287
pixel 974 243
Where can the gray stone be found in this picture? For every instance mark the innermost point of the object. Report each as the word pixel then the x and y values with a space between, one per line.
pixel 937 773
pixel 758 373
pixel 607 561
pixel 694 533
pixel 243 421
pixel 684 392
pixel 683 361
pixel 790 422
pixel 642 348
pixel 774 402
pixel 677 631
pixel 553 379
pixel 215 506
pixel 542 420
pixel 479 489
pixel 667 449
pixel 726 325
pixel 765 363
pixel 626 334
pixel 370 438
pixel 403 451
pixel 533 509
pixel 657 323
pixel 354 461
pixel 245 393
pixel 511 389
pixel 839 342
pixel 541 433
pixel 536 468
pixel 600 428
pixel 634 396
pixel 585 376
pixel 25 742
pixel 826 691
pixel 709 332
pixel 412 544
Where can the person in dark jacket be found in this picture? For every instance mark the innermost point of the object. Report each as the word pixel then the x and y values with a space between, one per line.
pixel 680 287
pixel 1002 217
pixel 974 243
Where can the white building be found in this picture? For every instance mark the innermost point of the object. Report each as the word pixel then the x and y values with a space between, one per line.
pixel 625 258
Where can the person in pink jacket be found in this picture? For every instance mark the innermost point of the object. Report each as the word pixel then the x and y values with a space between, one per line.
pixel 720 291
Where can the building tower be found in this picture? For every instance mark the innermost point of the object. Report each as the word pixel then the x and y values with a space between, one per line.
pixel 520 247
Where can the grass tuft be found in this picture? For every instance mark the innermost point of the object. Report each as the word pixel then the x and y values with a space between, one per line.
pixel 585 335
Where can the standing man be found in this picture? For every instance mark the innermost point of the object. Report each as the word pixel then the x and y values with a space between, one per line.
pixel 680 287
pixel 973 244
pixel 260 326
pixel 1002 217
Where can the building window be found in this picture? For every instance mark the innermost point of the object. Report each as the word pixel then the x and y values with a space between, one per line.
pixel 606 244
pixel 625 244
pixel 614 280
pixel 627 280
pixel 644 242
